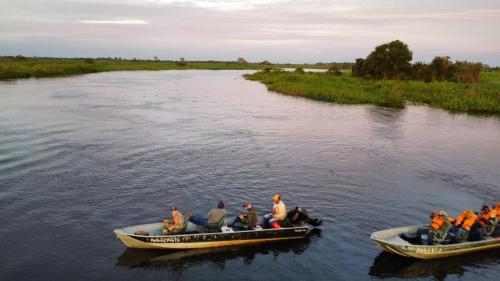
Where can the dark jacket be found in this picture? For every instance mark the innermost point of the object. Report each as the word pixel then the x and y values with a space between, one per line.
pixel 251 219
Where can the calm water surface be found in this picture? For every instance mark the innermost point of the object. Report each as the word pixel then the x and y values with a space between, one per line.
pixel 83 155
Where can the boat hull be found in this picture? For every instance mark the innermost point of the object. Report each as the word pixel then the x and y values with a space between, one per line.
pixel 389 241
pixel 208 240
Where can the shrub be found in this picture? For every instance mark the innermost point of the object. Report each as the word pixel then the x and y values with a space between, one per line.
pixel 333 70
pixel 88 60
pixel 19 58
pixel 267 69
pixel 299 70
pixel 467 72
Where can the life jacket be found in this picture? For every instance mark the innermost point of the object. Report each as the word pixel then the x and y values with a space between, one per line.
pixel 487 216
pixel 466 220
pixel 437 222
pixel 498 209
pixel 275 225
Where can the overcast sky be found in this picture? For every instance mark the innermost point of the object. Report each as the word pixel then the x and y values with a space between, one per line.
pixel 275 30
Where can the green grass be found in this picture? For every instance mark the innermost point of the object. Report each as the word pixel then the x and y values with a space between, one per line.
pixel 482 97
pixel 12 68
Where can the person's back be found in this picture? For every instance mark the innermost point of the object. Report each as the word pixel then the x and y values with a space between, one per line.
pixel 465 223
pixel 212 219
pixel 251 220
pixel 215 216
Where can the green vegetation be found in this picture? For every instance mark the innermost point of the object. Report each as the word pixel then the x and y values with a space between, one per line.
pixel 392 61
pixel 22 67
pixel 386 77
pixel 482 97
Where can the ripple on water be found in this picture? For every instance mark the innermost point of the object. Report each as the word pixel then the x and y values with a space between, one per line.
pixel 83 155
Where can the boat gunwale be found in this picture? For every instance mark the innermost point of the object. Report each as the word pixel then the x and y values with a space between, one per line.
pixel 121 230
pixel 445 246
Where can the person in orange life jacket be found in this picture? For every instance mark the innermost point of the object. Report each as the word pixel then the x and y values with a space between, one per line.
pixel 496 232
pixel 279 212
pixel 487 220
pixel 466 225
pixel 439 228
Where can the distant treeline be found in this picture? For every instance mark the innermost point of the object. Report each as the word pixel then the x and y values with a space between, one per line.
pixel 392 61
pixel 16 67
pixel 182 61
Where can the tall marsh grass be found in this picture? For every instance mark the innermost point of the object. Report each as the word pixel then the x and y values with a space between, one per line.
pixel 482 97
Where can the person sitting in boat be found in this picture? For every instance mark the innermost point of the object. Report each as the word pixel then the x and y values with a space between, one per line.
pixel 212 219
pixel 248 221
pixel 496 232
pixel 279 212
pixel 439 229
pixel 487 220
pixel 466 226
pixel 176 224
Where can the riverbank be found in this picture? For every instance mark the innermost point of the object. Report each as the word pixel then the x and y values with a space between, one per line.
pixel 20 67
pixel 482 97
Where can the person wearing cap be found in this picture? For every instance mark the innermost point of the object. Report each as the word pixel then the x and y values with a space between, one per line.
pixel 175 225
pixel 439 228
pixel 279 212
pixel 212 219
pixel 248 221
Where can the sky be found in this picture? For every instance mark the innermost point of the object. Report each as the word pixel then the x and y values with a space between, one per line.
pixel 296 31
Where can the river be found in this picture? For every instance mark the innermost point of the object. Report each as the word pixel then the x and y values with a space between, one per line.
pixel 83 155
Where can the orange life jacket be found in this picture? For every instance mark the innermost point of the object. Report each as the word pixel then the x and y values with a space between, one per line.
pixel 486 216
pixel 437 222
pixel 466 220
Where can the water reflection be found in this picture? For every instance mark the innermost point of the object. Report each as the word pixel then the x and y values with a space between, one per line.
pixel 387 265
pixel 179 260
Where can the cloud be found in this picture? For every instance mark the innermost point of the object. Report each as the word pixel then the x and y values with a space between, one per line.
pixel 275 30
pixel 119 22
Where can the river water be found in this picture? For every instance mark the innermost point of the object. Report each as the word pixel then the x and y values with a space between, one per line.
pixel 81 156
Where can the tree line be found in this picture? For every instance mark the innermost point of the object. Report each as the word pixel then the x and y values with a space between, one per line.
pixel 393 61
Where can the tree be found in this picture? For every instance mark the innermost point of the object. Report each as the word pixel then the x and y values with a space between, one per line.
pixel 389 61
pixel 242 61
pixel 181 62
pixel 421 71
pixel 357 68
pixel 441 68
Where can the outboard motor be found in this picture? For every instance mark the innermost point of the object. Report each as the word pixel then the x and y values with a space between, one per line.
pixel 298 216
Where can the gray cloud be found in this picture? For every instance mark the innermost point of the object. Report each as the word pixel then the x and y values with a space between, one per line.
pixel 276 30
